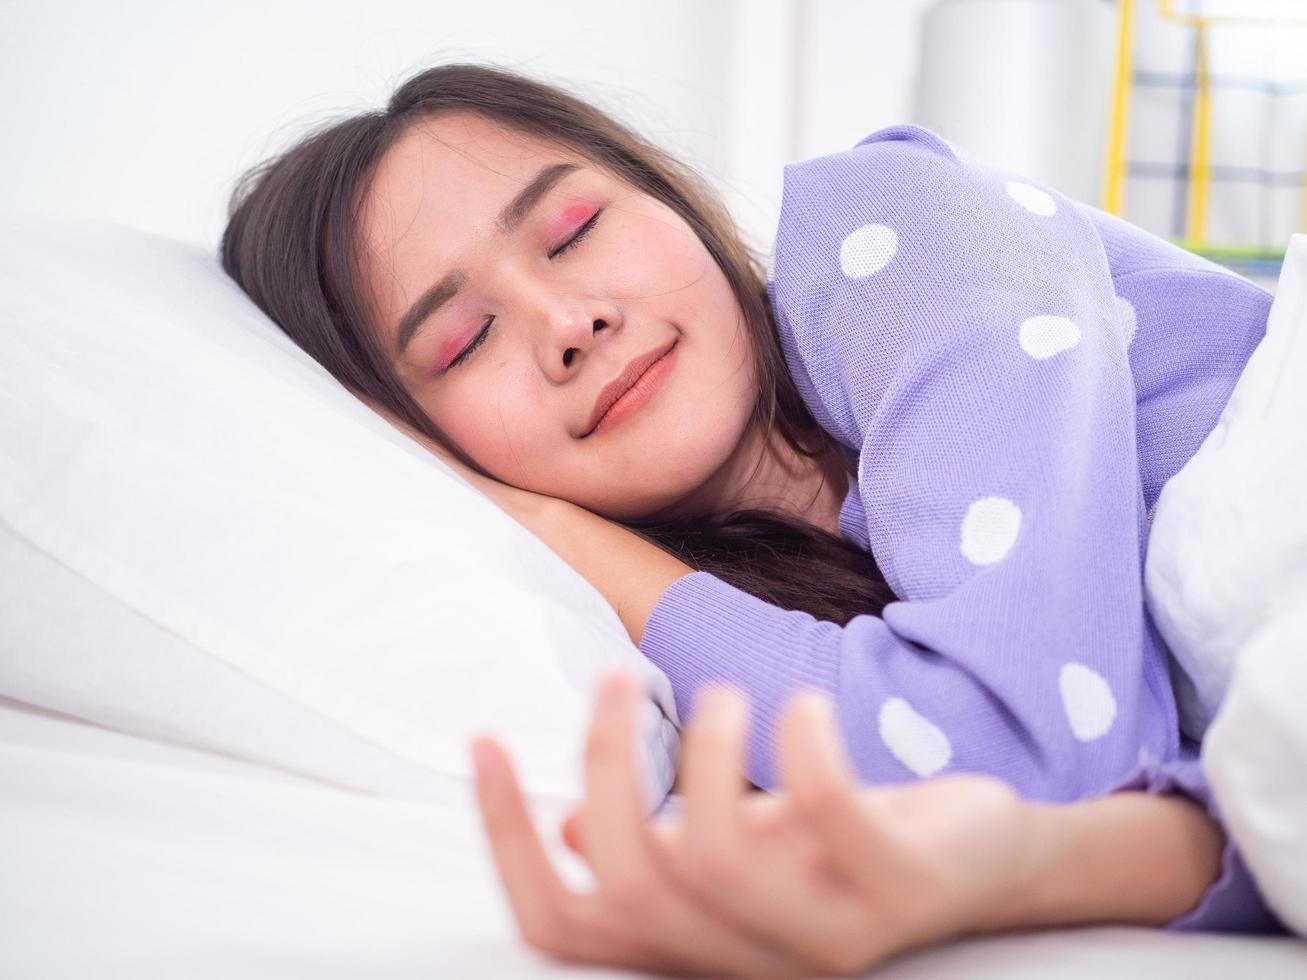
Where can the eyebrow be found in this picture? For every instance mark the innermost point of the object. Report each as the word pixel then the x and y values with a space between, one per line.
pixel 508 221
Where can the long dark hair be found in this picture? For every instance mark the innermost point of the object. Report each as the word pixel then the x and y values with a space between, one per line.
pixel 291 244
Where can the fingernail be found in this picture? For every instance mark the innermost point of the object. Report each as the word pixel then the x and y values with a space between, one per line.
pixel 483 756
pixel 818 704
pixel 717 699
pixel 610 695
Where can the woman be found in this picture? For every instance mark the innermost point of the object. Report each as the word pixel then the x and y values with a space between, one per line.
pixel 943 374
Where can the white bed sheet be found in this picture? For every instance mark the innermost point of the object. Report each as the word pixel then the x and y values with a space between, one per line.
pixel 133 858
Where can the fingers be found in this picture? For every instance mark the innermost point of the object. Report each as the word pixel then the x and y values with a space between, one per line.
pixel 534 890
pixel 741 853
pixel 571 833
pixel 710 772
pixel 551 917
pixel 746 907
pixel 817 774
pixel 613 803
pixel 619 844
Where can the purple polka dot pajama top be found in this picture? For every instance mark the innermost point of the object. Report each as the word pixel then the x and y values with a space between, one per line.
pixel 1016 376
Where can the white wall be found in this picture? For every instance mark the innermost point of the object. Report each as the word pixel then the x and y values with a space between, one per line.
pixel 145 111
pixel 811 77
pixel 1023 84
pixel 858 70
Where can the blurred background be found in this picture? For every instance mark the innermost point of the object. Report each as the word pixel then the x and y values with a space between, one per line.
pixel 1188 117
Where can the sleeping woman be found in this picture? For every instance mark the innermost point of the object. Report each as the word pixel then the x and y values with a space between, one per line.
pixel 908 473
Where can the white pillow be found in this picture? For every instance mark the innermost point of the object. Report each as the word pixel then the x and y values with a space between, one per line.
pixel 1255 755
pixel 204 538
pixel 1227 583
pixel 1227 550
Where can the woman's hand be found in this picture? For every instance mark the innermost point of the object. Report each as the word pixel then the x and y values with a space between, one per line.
pixel 824 877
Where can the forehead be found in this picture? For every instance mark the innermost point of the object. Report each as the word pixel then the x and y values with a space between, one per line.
pixel 452 171
pixel 435 195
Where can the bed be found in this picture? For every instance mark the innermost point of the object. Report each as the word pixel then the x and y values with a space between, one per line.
pixel 134 858
pixel 233 722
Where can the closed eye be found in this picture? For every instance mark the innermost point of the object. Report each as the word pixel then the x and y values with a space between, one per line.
pixel 580 234
pixel 572 242
pixel 477 341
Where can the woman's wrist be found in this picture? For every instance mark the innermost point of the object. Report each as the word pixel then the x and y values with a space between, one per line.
pixel 531 510
pixel 1128 858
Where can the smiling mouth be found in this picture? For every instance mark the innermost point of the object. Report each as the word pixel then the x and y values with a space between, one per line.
pixel 637 393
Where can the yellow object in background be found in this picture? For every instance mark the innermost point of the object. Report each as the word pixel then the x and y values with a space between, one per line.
pixel 1114 171
pixel 1196 174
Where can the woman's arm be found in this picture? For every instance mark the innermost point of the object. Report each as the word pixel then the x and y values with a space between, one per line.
pixel 1094 857
pixel 1132 858
pixel 825 876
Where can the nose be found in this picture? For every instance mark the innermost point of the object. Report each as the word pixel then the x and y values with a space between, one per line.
pixel 573 330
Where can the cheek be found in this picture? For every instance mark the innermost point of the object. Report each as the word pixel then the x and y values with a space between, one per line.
pixel 661 258
pixel 503 429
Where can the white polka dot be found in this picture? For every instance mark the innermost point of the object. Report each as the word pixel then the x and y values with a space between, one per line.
pixel 1129 321
pixel 1044 336
pixel 1031 198
pixel 1087 700
pixel 915 742
pixel 990 529
pixel 868 250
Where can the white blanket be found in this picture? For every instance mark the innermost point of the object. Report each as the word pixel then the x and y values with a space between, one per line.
pixel 123 857
pixel 1227 583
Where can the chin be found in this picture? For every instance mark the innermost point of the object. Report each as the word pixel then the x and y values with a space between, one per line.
pixel 644 505
pixel 669 471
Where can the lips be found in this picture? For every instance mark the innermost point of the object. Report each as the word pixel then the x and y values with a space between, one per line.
pixel 623 383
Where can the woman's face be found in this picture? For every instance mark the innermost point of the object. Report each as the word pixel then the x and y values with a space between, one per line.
pixel 546 302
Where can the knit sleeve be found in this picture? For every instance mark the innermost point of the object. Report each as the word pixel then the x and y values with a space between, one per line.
pixel 958 330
